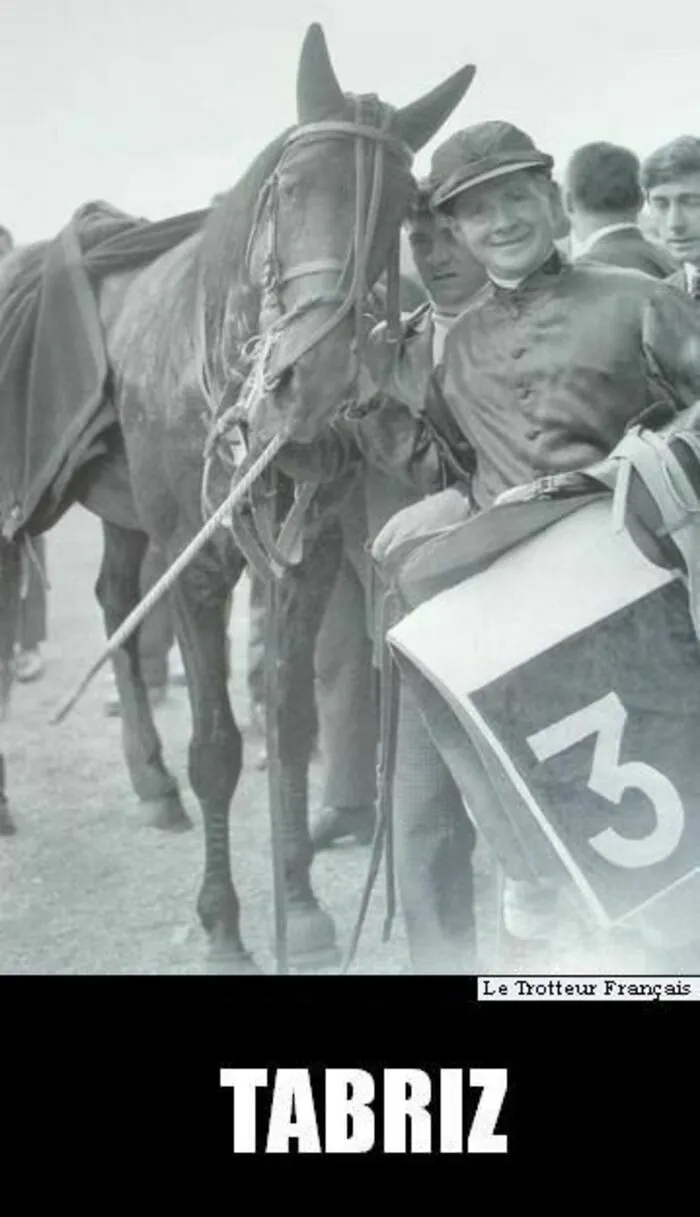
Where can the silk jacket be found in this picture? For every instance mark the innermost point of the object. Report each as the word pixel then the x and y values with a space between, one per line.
pixel 546 378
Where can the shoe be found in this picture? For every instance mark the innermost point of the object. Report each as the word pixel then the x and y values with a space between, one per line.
pixel 28 665
pixel 342 823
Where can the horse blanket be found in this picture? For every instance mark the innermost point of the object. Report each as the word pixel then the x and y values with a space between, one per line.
pixel 55 407
pixel 571 662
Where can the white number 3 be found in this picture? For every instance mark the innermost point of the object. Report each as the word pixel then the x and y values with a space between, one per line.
pixel 606 720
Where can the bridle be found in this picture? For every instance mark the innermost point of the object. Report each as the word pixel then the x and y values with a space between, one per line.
pixel 276 278
pixel 264 360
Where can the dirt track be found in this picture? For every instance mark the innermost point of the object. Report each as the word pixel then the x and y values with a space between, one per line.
pixel 83 888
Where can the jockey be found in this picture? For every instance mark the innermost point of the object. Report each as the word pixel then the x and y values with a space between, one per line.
pixel 603 199
pixel 671 182
pixel 541 373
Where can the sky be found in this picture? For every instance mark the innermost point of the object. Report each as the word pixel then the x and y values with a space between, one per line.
pixel 155 105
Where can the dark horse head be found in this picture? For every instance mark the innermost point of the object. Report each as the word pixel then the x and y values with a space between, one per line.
pixel 326 226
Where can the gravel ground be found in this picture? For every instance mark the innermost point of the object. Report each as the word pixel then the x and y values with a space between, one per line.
pixel 85 889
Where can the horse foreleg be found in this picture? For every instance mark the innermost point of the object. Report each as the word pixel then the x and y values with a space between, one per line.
pixel 301 599
pixel 200 603
pixel 118 592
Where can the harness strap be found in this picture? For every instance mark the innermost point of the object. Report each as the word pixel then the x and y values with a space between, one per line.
pixel 311 268
pixel 361 130
pixel 391 608
pixel 274 775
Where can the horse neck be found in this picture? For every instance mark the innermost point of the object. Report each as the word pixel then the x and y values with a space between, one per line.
pixel 227 305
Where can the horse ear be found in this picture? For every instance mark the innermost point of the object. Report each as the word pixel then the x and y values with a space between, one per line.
pixel 418 122
pixel 318 91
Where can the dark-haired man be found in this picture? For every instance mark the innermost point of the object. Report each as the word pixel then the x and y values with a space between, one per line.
pixel 449 276
pixel 603 198
pixel 671 181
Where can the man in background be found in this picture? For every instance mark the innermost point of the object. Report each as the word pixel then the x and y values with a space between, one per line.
pixel 671 182
pixel 603 198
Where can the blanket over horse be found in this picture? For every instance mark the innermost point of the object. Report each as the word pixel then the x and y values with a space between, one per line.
pixel 559 631
pixel 55 407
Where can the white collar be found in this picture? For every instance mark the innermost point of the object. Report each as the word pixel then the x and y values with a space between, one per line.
pixel 442 323
pixel 508 284
pixel 579 248
pixel 691 275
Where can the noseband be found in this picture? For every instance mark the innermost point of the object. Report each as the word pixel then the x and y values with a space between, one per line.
pixel 264 364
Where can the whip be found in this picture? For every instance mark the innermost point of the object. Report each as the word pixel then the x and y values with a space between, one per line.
pixel 166 581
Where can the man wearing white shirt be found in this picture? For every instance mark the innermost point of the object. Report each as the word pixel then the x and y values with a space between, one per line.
pixel 671 182
pixel 603 198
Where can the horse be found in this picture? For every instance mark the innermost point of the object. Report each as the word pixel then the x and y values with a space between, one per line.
pixel 268 267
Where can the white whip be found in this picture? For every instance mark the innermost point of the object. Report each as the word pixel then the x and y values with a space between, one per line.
pixel 159 589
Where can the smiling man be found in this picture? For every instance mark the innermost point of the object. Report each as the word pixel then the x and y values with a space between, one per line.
pixel 671 181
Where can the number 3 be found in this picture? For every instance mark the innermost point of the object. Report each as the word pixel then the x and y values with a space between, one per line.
pixel 606 720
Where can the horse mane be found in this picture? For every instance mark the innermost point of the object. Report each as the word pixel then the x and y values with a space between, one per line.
pixel 222 249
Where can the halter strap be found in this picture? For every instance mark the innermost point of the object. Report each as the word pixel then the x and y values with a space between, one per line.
pixel 358 131
pixel 312 268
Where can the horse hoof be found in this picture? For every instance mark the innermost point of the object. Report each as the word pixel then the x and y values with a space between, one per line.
pixel 234 963
pixel 7 824
pixel 166 814
pixel 311 939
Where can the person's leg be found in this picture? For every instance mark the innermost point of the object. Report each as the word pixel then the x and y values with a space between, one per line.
pixel 346 696
pixel 32 625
